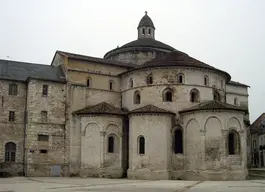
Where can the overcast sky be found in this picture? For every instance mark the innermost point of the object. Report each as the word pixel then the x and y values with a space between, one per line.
pixel 226 34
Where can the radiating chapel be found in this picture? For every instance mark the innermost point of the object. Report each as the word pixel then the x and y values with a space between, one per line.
pixel 144 111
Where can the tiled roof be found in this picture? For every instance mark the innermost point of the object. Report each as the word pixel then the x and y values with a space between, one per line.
pixel 150 109
pixel 100 108
pixel 214 105
pixel 257 124
pixel 238 84
pixel 21 71
pixel 177 58
pixel 95 59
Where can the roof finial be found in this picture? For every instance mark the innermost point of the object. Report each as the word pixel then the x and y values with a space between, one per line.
pixel 146 12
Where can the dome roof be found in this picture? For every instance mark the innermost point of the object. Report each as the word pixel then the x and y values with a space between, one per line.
pixel 146 21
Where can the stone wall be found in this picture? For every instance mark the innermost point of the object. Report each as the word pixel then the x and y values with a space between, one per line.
pixel 12 131
pixel 207 156
pixel 155 162
pixel 167 78
pixel 136 57
pixel 91 146
pixel 43 156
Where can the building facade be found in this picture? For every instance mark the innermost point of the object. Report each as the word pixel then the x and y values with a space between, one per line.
pixel 144 111
pixel 257 130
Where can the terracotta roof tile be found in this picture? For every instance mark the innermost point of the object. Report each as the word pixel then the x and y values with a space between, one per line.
pixel 214 105
pixel 101 108
pixel 150 109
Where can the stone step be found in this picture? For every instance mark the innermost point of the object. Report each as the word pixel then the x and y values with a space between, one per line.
pixel 256 173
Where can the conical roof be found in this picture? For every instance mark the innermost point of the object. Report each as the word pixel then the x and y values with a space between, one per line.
pixel 146 21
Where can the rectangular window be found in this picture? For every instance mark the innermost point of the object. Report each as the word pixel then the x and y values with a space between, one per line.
pixel 44 90
pixel 44 116
pixel 43 137
pixel 11 115
pixel 254 144
pixel 12 89
pixel 13 156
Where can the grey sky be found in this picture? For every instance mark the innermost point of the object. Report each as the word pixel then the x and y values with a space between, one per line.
pixel 229 35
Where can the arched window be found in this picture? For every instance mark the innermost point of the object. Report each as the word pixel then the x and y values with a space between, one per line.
pixel 180 78
pixel 137 97
pixel 150 79
pixel 235 101
pixel 178 141
pixel 194 96
pixel 131 83
pixel 206 80
pixel 168 95
pixel 111 144
pixel 141 144
pixel 216 96
pixel 233 143
pixel 149 31
pixel 110 85
pixel 143 31
pixel 10 152
pixel 88 82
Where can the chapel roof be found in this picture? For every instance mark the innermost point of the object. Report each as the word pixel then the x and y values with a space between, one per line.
pixel 214 105
pixel 21 71
pixel 100 108
pixel 150 109
pixel 146 21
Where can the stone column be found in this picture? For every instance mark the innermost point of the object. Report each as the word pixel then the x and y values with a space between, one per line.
pixel 102 148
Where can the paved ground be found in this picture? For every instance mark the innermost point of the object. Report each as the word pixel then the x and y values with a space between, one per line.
pixel 21 184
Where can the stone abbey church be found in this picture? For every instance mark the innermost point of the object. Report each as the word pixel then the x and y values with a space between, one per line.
pixel 144 111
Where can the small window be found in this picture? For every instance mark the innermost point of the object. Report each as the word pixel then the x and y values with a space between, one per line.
pixel 44 116
pixel 111 85
pixel 178 141
pixel 141 145
pixel 143 31
pixel 235 101
pixel 150 79
pixel 13 89
pixel 206 80
pixel 111 144
pixel 43 137
pixel 222 84
pixel 10 152
pixel 11 116
pixel 149 31
pixel 180 78
pixel 43 151
pixel 131 83
pixel 137 97
pixel 168 95
pixel 88 82
pixel 194 96
pixel 44 90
